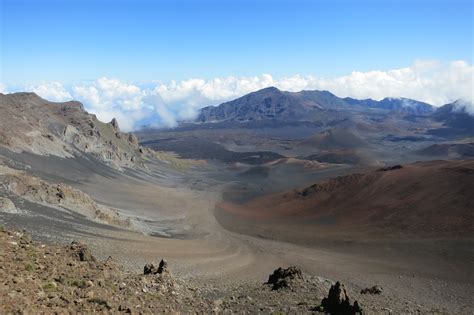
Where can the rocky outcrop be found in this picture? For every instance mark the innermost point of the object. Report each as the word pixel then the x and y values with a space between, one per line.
pixel 338 302
pixel 32 124
pixel 80 252
pixel 58 196
pixel 115 125
pixel 151 269
pixel 133 140
pixel 6 205
pixel 284 278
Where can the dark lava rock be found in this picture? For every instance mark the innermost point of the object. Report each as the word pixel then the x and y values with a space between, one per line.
pixel 338 302
pixel 372 290
pixel 81 252
pixel 163 267
pixel 152 269
pixel 283 278
pixel 390 168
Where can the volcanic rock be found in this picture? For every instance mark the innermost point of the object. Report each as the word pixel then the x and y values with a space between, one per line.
pixel 6 205
pixel 338 301
pixel 81 252
pixel 372 290
pixel 163 267
pixel 284 278
pixel 65 130
pixel 150 268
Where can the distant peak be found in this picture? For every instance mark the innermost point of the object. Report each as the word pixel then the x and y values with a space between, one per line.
pixel 270 89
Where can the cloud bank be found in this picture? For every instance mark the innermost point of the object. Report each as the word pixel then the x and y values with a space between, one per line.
pixel 164 104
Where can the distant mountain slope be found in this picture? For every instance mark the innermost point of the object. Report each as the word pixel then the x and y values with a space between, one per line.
pixel 423 199
pixel 271 103
pixel 402 105
pixel 449 150
pixel 32 124
pixel 455 115
pixel 335 139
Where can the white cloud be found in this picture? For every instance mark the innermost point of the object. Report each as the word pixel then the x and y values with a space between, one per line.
pixel 111 98
pixel 3 88
pixel 431 81
pixel 52 91
pixel 165 117
pixel 464 105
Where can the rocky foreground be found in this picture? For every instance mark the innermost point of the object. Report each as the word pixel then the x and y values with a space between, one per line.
pixel 37 278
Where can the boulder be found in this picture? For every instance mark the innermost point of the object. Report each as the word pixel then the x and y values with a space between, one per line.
pixel 163 267
pixel 81 252
pixel 372 290
pixel 6 205
pixel 338 301
pixel 152 269
pixel 283 278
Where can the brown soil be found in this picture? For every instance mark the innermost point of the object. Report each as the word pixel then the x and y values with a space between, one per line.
pixel 425 199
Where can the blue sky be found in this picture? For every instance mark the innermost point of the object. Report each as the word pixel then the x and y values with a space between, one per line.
pixel 141 41
pixel 158 62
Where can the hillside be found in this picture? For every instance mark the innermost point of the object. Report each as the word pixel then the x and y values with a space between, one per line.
pixel 455 116
pixel 32 124
pixel 449 150
pixel 422 199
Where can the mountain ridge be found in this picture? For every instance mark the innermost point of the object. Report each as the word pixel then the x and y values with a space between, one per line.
pixel 272 103
pixel 64 129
